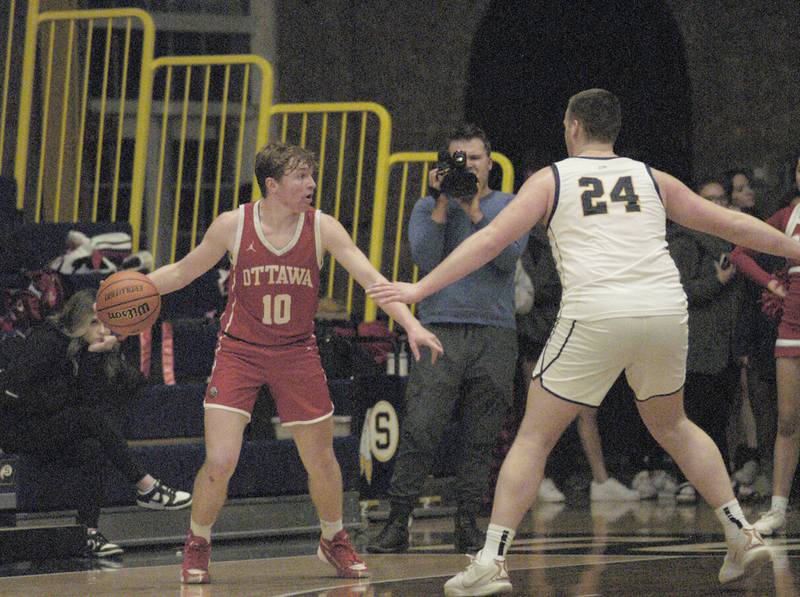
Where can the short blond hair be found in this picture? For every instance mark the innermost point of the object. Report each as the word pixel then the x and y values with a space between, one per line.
pixel 276 159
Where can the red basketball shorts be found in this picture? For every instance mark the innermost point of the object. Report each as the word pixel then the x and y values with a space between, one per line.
pixel 293 374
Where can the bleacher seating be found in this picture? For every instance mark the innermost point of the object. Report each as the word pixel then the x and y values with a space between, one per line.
pixel 164 424
pixel 36 245
pixel 165 427
pixel 266 468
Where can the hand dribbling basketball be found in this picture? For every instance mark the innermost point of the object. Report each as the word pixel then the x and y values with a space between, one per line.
pixel 128 302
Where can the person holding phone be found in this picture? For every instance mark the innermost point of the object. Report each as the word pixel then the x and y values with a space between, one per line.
pixel 714 294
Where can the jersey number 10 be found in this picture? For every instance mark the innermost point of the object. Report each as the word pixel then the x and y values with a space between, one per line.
pixel 277 309
pixel 621 192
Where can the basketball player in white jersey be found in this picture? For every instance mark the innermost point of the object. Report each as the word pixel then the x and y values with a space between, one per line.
pixel 276 246
pixel 623 309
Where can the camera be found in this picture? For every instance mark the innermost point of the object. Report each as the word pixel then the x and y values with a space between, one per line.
pixel 457 181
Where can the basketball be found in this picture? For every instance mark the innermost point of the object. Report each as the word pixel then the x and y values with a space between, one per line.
pixel 128 302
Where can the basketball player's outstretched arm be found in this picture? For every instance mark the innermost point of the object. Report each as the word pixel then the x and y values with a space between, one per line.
pixel 218 239
pixel 336 240
pixel 531 204
pixel 691 210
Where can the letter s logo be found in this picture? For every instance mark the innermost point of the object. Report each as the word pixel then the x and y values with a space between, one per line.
pixel 385 431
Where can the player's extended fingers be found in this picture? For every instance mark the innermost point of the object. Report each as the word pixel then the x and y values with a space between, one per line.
pixel 412 344
pixel 437 349
pixel 377 287
pixel 383 293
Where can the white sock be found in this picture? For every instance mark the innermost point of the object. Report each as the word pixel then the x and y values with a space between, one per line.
pixel 329 529
pixel 779 503
pixel 201 530
pixel 498 540
pixel 731 517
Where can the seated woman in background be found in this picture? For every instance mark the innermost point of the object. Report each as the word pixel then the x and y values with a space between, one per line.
pixel 50 406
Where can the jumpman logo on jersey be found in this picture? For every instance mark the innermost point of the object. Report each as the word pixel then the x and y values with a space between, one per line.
pixel 251 248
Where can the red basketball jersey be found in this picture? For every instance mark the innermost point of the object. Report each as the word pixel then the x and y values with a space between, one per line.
pixel 273 293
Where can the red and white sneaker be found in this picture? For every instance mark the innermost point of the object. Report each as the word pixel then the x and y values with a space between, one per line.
pixel 196 555
pixel 340 553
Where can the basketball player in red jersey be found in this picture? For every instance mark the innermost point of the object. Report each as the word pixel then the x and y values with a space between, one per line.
pixel 276 246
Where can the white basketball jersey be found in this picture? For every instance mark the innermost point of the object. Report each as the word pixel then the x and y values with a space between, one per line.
pixel 607 233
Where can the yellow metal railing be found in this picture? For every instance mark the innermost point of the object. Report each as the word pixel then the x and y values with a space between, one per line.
pixel 214 127
pixel 352 144
pixel 98 86
pixel 87 102
pixel 408 179
pixel 9 74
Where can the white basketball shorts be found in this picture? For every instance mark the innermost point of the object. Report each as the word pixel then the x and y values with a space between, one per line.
pixel 582 359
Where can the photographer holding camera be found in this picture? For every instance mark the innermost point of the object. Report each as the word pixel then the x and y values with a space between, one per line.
pixel 474 319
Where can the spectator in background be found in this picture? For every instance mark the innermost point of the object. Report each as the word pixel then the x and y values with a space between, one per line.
pixel 474 319
pixel 787 356
pixel 713 190
pixel 738 188
pixel 53 394
pixel 708 278
pixel 751 427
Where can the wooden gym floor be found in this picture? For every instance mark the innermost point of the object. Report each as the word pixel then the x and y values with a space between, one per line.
pixel 648 548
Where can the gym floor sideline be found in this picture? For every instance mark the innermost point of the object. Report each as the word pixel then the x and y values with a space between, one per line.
pixel 643 548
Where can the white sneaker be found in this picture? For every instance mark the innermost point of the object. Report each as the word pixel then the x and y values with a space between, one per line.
pixel 477 579
pixel 686 493
pixel 546 512
pixel 771 522
pixel 747 493
pixel 161 497
pixel 644 485
pixel 612 511
pixel 548 492
pixel 746 553
pixel 665 484
pixel 747 474
pixel 612 490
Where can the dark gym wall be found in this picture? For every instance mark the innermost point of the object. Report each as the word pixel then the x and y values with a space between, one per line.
pixel 742 57
pixel 552 49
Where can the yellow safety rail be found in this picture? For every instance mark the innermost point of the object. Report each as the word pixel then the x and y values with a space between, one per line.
pixel 408 182
pixel 351 142
pixel 85 169
pixel 207 135
pixel 9 75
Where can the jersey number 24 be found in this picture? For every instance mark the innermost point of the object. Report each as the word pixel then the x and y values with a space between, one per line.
pixel 621 192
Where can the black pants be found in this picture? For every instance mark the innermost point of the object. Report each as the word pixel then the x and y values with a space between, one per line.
pixel 80 439
pixel 708 399
pixel 473 382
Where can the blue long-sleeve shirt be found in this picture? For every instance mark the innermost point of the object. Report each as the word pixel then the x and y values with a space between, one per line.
pixel 484 297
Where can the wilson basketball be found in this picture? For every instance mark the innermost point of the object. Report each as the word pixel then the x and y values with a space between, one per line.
pixel 128 302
